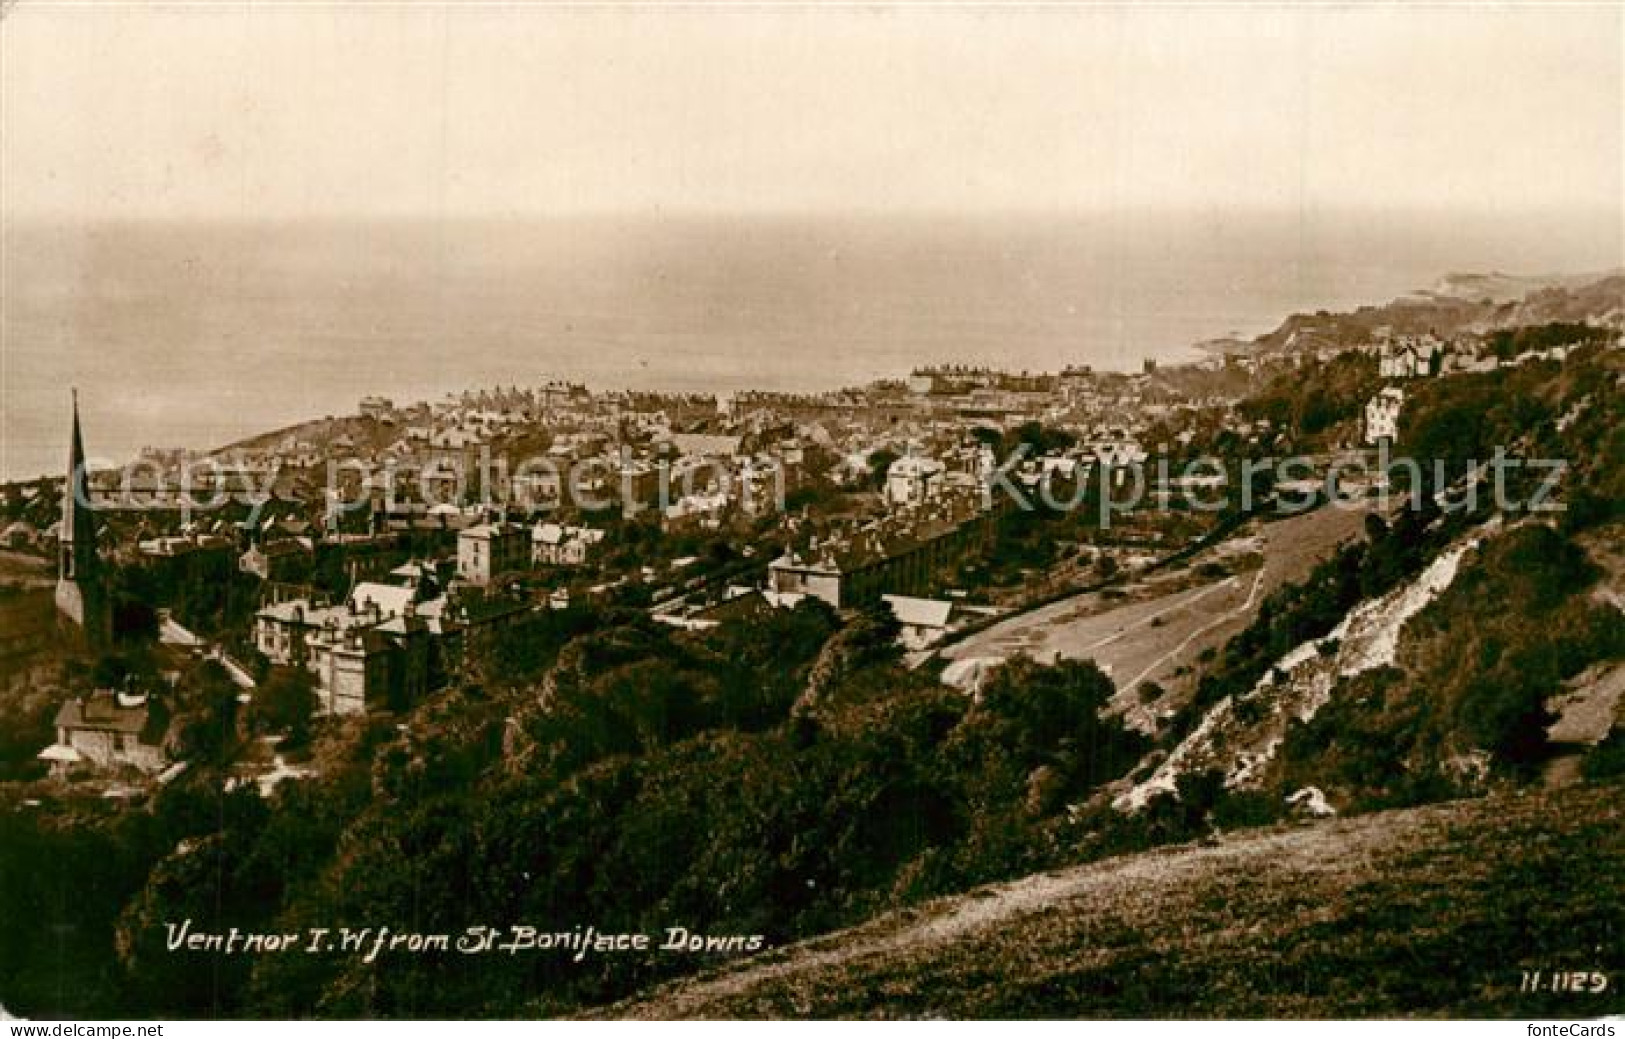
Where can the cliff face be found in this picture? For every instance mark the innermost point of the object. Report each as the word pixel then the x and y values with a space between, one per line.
pixel 1499 287
pixel 1461 304
pixel 1239 736
pixel 1599 303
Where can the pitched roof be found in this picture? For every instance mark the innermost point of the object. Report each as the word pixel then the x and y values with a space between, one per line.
pixel 101 712
pixel 706 443
pixel 391 600
pixel 547 533
pixel 487 531
pixel 922 613
pixel 171 632
pixel 555 534
pixel 282 547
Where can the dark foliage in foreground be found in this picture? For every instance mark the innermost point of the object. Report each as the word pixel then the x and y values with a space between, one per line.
pixel 651 780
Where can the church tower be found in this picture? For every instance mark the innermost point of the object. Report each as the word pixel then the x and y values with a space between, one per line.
pixel 78 585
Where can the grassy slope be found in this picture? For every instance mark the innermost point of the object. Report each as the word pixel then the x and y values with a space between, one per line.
pixel 1423 912
pixel 28 627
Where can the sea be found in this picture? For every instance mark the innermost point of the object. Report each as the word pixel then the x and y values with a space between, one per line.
pixel 198 333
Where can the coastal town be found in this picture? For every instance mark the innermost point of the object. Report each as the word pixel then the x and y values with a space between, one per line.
pixel 381 555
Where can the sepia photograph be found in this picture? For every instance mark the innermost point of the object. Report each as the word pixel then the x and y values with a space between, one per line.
pixel 778 511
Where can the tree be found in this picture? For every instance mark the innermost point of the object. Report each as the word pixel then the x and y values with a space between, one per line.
pixel 1608 759
pixel 1040 439
pixel 880 464
pixel 208 712
pixel 285 703
pixel 1051 714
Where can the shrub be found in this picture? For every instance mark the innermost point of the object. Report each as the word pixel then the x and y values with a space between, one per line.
pixel 1607 759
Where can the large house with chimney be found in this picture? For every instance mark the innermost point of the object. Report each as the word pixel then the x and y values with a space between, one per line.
pixel 108 730
pixel 555 544
pixel 489 551
pixel 385 645
pixel 1411 357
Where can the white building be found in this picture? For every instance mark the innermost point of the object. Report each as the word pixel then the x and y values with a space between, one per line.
pixel 488 551
pixel 913 480
pixel 1410 357
pixel 924 621
pixel 554 544
pixel 358 651
pixel 1382 415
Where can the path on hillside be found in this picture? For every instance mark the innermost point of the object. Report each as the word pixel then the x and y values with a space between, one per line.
pixel 1244 610
pixel 1148 639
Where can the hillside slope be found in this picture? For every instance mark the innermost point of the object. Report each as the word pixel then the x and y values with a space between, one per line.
pixel 1421 912
pixel 1460 304
pixel 1500 287
pixel 1239 737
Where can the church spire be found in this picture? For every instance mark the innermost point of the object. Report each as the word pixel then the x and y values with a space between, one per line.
pixel 77 589
pixel 78 530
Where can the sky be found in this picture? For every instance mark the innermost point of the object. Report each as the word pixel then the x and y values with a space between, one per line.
pixel 244 111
